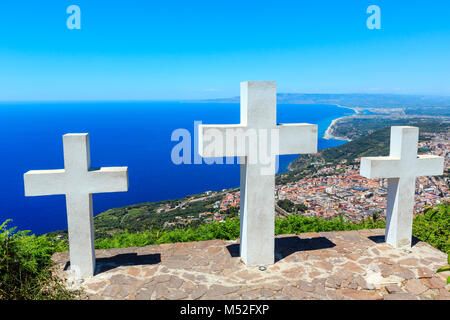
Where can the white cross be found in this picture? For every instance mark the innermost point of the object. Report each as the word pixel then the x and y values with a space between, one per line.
pixel 258 120
pixel 78 182
pixel 401 168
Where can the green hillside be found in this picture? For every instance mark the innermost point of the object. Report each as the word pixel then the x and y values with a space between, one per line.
pixel 357 127
pixel 373 144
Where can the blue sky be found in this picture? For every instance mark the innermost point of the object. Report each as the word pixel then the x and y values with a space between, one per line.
pixel 163 50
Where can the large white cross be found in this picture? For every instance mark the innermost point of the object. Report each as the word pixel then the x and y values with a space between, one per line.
pixel 258 120
pixel 78 182
pixel 401 168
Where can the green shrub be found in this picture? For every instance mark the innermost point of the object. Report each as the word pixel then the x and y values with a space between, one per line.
pixel 229 230
pixel 433 226
pixel 26 267
pixel 446 268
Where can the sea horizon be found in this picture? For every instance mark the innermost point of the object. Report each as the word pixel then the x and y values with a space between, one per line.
pixel 124 134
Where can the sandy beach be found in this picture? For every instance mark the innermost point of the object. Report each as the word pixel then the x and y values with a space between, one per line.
pixel 328 133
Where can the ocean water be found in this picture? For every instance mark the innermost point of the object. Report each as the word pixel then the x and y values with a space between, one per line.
pixel 133 134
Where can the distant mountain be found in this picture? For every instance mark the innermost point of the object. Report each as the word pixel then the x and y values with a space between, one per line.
pixel 353 100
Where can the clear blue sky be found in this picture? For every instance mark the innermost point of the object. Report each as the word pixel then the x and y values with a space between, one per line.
pixel 151 50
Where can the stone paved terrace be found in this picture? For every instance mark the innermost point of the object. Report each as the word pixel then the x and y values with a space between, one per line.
pixel 326 265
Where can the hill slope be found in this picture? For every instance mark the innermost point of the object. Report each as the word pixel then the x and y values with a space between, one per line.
pixel 374 144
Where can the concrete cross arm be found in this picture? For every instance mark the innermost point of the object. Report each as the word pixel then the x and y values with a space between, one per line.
pixel 53 182
pixel 380 167
pixel 44 182
pixel 108 179
pixel 297 138
pixel 429 165
pixel 213 140
pixel 393 167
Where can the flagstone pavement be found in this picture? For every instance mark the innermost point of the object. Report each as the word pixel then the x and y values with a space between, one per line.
pixel 326 265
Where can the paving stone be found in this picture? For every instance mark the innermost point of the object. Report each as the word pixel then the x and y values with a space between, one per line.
pixel 359 294
pixel 400 296
pixel 424 273
pixel 293 293
pixel 177 295
pixel 112 290
pixel 365 261
pixel 214 250
pixel 266 293
pixel 345 274
pixel 324 265
pixel 409 262
pixel 415 286
pixel 353 256
pixel 175 282
pixel 362 283
pixel 333 282
pixel 218 289
pixel 207 270
pixel 352 285
pixel 353 267
pixel 134 271
pixel 198 292
pixel 161 291
pixel 433 283
pixel 273 286
pixel 405 274
pixel 144 293
pixel 97 286
pixel 189 276
pixel 118 291
pixel 293 273
pixel 161 278
pixel 188 286
pixel 393 288
pixel 122 279
pixel 305 286
pixel 96 297
pixel 247 275
pixel 148 272
pixel 445 292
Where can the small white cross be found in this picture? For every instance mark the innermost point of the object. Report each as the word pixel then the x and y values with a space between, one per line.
pixel 78 182
pixel 258 120
pixel 401 168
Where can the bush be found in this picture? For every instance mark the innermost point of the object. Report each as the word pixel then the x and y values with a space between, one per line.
pixel 229 230
pixel 299 224
pixel 26 267
pixel 433 226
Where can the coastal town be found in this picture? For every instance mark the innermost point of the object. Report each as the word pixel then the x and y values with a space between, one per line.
pixel 327 189
pixel 339 189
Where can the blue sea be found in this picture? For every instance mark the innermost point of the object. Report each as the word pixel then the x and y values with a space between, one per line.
pixel 133 134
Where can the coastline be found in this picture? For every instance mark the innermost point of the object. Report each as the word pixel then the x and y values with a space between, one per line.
pixel 328 135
